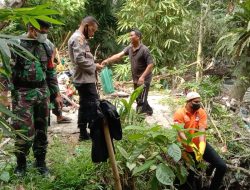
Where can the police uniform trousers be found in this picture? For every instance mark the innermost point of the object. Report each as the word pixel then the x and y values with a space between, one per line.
pixel 88 104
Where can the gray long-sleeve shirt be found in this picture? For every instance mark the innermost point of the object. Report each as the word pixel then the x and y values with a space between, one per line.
pixel 82 59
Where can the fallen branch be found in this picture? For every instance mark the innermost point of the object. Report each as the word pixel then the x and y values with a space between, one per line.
pixel 216 128
pixel 245 171
pixel 65 40
pixel 4 142
pixel 243 156
pixel 241 139
pixel 58 57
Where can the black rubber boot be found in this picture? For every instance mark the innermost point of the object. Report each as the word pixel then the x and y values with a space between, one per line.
pixel 21 167
pixel 42 168
pixel 83 134
pixel 40 164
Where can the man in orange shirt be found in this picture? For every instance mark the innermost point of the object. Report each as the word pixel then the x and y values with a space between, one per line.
pixel 195 118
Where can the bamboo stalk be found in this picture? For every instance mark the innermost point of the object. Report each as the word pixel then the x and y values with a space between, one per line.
pixel 111 155
pixel 217 130
pixel 58 57
pixel 65 39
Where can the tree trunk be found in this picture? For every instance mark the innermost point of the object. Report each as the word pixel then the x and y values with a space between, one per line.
pixel 242 82
pixel 199 66
pixel 10 4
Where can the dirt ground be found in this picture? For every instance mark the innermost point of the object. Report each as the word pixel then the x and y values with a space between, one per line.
pixel 162 116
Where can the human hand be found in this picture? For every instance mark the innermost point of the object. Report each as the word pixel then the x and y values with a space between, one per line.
pixel 104 62
pixel 58 101
pixel 197 153
pixel 193 146
pixel 198 156
pixel 99 66
pixel 141 80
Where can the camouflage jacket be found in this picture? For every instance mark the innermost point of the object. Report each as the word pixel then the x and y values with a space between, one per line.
pixel 35 78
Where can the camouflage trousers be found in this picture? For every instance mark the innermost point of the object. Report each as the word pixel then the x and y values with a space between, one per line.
pixel 33 112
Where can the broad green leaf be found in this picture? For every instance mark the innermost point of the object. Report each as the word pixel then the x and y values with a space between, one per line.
pixel 143 167
pixel 156 128
pixel 133 127
pixel 248 26
pixel 125 104
pixel 164 174
pixel 19 54
pixel 197 134
pixel 154 183
pixel 153 155
pixel 4 126
pixel 25 19
pixel 123 152
pixel 135 94
pixel 5 176
pixel 160 139
pixel 172 134
pixel 4 47
pixel 137 151
pixel 5 60
pixel 48 19
pixel 182 173
pixel 3 72
pixel 135 136
pixel 175 152
pixel 44 12
pixel 24 9
pixel 130 166
pixel 178 126
pixel 26 53
pixel 34 23
pixel 7 112
pixel 13 38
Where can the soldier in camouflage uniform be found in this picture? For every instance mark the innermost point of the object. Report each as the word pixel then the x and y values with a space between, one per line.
pixel 33 82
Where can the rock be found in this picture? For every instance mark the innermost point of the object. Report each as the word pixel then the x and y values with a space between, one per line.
pixel 246 98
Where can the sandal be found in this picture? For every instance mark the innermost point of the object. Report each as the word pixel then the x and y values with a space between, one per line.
pixel 64 120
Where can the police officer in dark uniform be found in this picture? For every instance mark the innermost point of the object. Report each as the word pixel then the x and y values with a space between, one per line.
pixel 84 77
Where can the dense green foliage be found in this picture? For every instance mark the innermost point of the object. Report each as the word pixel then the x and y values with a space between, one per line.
pixel 149 156
pixel 161 26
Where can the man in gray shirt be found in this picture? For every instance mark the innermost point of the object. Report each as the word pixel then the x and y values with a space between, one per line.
pixel 84 73
pixel 141 66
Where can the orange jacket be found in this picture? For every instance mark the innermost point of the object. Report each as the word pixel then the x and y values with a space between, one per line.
pixel 197 120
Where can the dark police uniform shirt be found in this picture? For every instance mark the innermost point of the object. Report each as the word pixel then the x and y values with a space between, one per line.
pixel 140 58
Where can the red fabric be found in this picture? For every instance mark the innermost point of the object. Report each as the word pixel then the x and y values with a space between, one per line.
pixel 50 64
